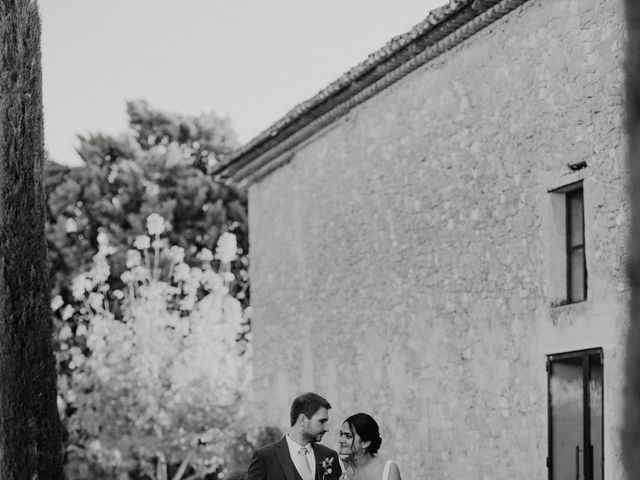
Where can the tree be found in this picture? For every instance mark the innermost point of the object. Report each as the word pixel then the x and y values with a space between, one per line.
pixel 159 166
pixel 30 435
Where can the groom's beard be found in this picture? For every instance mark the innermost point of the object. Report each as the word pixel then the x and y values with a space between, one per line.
pixel 310 438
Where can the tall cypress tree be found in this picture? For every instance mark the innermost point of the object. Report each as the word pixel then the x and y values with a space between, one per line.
pixel 30 434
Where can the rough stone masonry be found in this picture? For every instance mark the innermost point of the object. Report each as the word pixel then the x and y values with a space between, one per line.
pixel 403 262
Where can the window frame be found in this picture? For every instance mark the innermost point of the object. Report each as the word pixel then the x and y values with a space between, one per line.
pixel 569 194
pixel 560 272
pixel 586 410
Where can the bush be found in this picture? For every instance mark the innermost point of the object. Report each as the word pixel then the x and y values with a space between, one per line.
pixel 161 386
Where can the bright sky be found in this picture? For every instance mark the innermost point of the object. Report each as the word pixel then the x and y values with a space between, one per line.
pixel 251 60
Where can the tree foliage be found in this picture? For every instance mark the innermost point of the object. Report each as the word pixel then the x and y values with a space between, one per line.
pixel 160 166
pixel 163 384
pixel 30 434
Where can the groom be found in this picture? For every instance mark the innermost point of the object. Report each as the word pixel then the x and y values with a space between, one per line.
pixel 298 456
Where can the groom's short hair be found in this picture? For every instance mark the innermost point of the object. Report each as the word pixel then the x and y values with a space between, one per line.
pixel 308 403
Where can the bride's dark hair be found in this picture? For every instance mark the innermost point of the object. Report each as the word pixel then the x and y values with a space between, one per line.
pixel 367 429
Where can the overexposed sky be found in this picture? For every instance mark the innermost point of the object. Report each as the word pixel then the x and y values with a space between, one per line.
pixel 251 60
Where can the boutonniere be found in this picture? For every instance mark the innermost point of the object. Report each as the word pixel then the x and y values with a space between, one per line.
pixel 326 467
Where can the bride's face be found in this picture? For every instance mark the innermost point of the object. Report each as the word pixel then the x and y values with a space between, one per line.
pixel 349 443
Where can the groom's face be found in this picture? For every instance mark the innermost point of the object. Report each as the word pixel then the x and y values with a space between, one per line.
pixel 316 426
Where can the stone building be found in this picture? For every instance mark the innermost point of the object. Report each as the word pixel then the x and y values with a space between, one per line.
pixel 437 238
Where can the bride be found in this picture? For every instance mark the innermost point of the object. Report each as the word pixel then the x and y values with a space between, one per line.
pixel 359 442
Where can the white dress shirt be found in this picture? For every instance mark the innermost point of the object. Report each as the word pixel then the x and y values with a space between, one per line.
pixel 294 452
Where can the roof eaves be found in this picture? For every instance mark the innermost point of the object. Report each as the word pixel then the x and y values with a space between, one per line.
pixel 382 68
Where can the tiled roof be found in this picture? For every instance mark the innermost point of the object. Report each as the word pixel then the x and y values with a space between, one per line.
pixel 443 28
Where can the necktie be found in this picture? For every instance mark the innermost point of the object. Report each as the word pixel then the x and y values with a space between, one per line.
pixel 306 468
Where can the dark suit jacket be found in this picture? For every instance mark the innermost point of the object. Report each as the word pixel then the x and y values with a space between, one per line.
pixel 273 462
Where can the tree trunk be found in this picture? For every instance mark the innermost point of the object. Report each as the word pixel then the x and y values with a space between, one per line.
pixel 30 431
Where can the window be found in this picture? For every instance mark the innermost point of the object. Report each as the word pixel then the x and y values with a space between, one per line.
pixel 576 262
pixel 575 383
pixel 568 279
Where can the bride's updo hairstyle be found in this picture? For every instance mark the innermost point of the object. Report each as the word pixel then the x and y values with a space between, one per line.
pixel 367 429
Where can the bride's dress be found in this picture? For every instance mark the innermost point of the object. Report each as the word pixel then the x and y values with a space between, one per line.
pixel 385 472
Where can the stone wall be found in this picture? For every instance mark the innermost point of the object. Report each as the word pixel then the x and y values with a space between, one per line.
pixel 401 262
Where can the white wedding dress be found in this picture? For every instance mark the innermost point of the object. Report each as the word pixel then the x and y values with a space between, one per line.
pixel 385 472
pixel 387 467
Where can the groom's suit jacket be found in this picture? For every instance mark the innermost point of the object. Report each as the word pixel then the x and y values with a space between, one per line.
pixel 273 462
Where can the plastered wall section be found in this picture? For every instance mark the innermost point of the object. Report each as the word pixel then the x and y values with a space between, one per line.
pixel 401 262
